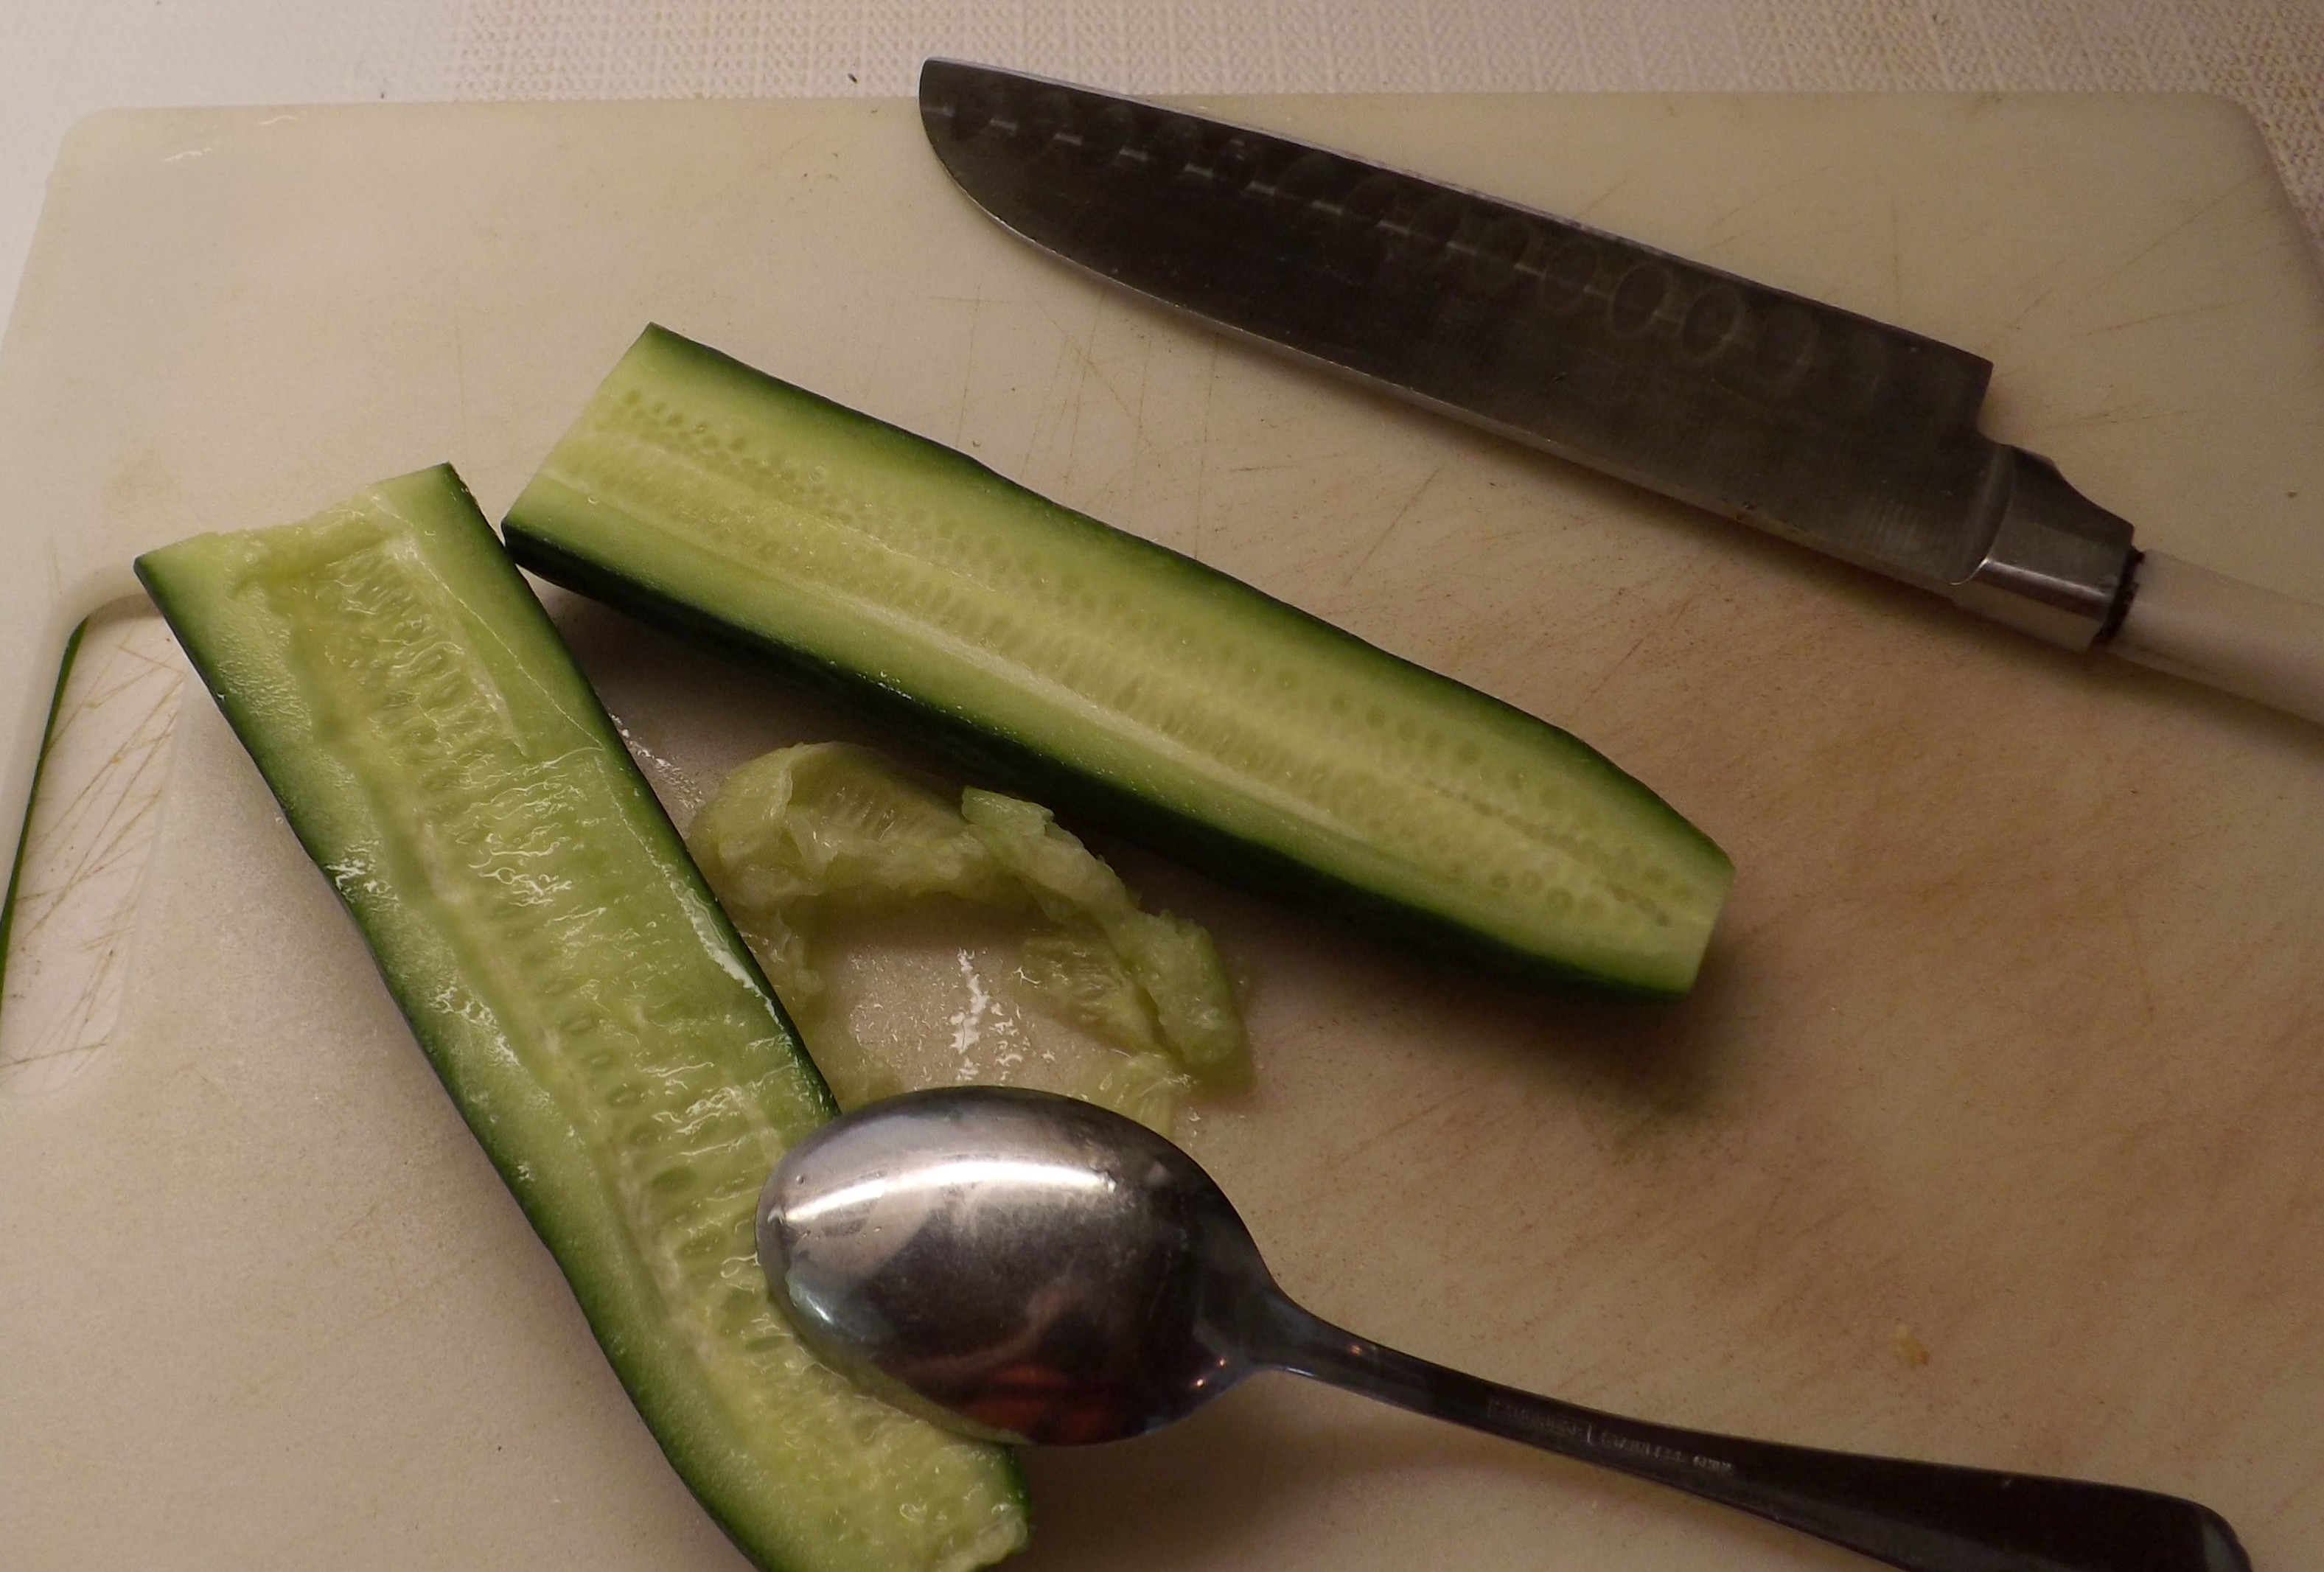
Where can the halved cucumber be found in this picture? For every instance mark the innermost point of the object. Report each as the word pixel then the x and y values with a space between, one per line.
pixel 596 1019
pixel 1104 674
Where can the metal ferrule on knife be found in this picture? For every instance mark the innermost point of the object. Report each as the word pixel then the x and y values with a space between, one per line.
pixel 1828 428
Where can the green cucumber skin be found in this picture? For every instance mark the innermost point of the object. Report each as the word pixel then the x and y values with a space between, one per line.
pixel 1007 764
pixel 1022 765
pixel 32 796
pixel 542 1185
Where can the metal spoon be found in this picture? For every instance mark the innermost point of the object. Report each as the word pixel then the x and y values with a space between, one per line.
pixel 1025 1267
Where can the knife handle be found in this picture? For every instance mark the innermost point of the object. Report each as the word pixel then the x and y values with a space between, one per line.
pixel 2225 633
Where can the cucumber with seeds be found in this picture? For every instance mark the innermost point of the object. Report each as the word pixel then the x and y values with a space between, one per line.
pixel 1102 674
pixel 594 1016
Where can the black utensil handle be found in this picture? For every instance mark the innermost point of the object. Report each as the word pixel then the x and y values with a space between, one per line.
pixel 1925 1517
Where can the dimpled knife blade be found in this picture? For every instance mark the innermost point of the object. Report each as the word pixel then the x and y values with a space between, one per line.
pixel 1828 428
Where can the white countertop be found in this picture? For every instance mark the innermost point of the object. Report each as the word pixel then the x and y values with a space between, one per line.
pixel 62 58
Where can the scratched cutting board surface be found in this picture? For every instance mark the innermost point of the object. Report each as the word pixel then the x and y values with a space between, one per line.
pixel 1988 1135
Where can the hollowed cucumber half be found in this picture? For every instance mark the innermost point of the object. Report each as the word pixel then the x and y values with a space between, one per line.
pixel 1111 678
pixel 592 1013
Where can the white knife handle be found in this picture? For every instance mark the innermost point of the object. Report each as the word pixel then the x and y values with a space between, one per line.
pixel 2227 634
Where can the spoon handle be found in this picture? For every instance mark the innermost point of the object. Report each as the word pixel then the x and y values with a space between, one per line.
pixel 1925 1517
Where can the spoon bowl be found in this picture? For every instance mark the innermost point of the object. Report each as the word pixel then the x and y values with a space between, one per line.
pixel 1022 1267
pixel 1026 1267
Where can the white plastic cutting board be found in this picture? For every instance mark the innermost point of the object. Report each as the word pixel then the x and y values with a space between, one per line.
pixel 1990 1134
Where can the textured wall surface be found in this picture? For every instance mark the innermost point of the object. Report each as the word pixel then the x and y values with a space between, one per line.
pixel 61 59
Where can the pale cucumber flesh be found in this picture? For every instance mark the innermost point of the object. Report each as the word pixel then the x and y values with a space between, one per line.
pixel 730 503
pixel 600 1025
pixel 803 840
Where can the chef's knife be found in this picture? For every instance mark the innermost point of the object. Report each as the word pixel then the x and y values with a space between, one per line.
pixel 1826 427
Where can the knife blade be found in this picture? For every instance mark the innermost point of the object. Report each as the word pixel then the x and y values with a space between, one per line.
pixel 1826 427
